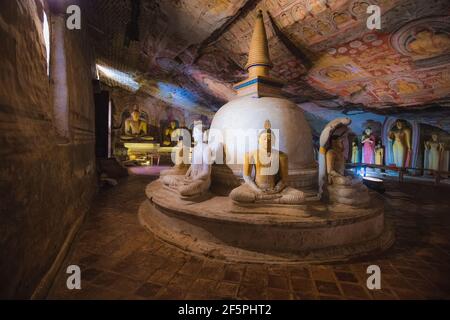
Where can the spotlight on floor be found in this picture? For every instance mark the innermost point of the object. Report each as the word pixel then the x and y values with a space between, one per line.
pixel 374 184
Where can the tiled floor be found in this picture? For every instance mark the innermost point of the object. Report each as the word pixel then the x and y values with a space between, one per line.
pixel 119 259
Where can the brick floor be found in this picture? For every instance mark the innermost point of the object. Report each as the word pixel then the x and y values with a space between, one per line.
pixel 121 260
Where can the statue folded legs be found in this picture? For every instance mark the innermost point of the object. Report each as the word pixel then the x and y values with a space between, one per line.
pixel 268 184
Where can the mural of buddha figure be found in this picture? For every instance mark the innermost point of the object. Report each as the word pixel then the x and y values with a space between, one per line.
pixel 136 127
pixel 400 135
pixel 336 74
pixel 429 44
pixel 405 87
pixel 368 142
pixel 433 153
pixel 269 183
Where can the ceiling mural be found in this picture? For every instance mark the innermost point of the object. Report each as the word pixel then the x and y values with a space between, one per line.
pixel 191 52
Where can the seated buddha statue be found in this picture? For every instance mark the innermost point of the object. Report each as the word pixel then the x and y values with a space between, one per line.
pixel 197 179
pixel 267 186
pixel 167 136
pixel 136 128
pixel 341 188
pixel 180 167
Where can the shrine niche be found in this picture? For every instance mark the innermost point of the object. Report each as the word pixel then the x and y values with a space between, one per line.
pixel 426 41
pixel 401 140
pixel 435 149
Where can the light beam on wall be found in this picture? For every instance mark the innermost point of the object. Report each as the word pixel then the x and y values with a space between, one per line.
pixel 46 31
pixel 177 95
pixel 120 77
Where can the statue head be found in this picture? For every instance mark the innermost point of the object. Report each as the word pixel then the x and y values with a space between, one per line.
pixel 135 115
pixel 434 137
pixel 368 131
pixel 173 124
pixel 337 143
pixel 399 124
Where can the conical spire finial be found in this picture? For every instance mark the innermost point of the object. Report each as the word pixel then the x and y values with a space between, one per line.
pixel 258 57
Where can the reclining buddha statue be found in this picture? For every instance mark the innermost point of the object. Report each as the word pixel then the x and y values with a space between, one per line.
pixel 269 183
pixel 197 180
pixel 136 128
pixel 339 187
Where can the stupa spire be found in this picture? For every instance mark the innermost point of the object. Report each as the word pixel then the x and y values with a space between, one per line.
pixel 259 83
pixel 259 62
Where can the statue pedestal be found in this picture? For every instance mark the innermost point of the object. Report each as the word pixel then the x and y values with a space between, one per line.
pixel 314 232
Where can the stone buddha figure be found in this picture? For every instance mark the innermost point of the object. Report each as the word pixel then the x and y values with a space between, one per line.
pixel 433 153
pixel 136 128
pixel 341 188
pixel 180 166
pixel 197 180
pixel 400 135
pixel 269 182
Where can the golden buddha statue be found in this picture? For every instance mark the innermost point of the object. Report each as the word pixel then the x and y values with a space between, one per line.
pixel 136 128
pixel 269 184
pixel 401 137
pixel 197 179
pixel 429 44
pixel 167 138
pixel 379 154
pixel 341 188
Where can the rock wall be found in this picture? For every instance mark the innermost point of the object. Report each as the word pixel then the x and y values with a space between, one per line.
pixel 156 110
pixel 46 181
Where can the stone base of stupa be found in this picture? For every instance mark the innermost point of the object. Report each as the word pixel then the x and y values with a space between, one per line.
pixel 218 228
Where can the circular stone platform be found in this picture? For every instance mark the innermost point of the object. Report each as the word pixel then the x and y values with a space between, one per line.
pixel 218 228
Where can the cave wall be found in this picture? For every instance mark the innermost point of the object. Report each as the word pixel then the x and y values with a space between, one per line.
pixel 157 110
pixel 46 181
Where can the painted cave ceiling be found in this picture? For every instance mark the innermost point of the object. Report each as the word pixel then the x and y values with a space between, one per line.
pixel 189 53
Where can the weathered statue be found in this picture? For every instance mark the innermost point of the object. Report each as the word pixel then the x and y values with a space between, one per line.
pixel 433 153
pixel 401 136
pixel 197 179
pixel 337 186
pixel 180 167
pixel 167 138
pixel 379 154
pixel 267 186
pixel 355 152
pixel 136 128
pixel 368 142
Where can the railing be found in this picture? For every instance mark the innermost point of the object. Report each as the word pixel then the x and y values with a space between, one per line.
pixel 437 174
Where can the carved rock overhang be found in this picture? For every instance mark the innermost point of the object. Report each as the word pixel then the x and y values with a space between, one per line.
pixel 324 52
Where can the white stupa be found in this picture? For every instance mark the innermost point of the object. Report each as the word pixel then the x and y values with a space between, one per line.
pixel 259 99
